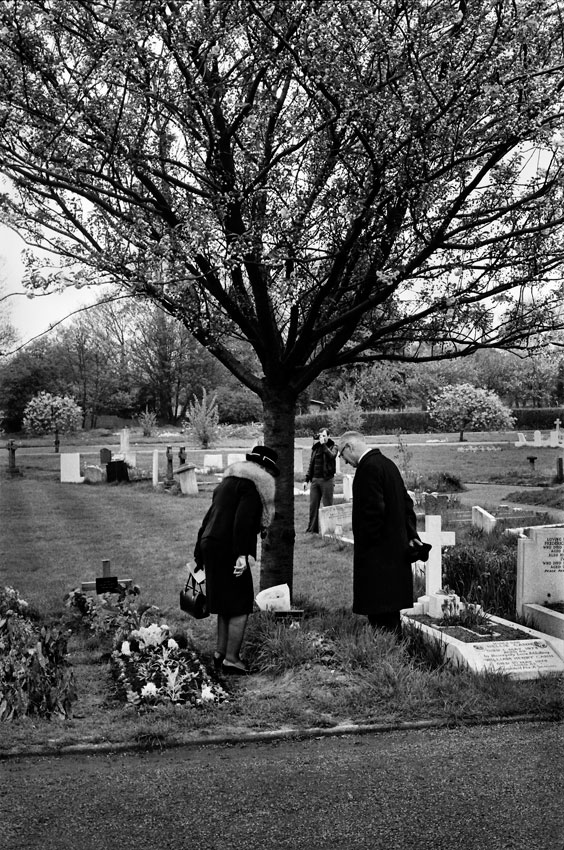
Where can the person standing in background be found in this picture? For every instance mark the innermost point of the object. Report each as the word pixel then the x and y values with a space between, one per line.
pixel 321 476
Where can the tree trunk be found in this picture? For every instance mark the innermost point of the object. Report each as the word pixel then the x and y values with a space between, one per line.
pixel 277 561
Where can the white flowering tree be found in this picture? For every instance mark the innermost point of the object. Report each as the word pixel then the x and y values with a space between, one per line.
pixel 47 413
pixel 463 407
pixel 330 181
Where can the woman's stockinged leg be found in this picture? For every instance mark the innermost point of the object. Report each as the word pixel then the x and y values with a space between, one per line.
pixel 222 633
pixel 235 634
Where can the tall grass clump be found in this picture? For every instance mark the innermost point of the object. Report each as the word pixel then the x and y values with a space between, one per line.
pixel 482 568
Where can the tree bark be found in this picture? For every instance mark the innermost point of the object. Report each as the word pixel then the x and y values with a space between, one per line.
pixel 277 560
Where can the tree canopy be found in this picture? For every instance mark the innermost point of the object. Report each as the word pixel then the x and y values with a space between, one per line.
pixel 332 181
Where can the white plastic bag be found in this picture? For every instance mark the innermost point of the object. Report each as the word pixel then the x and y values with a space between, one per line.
pixel 275 598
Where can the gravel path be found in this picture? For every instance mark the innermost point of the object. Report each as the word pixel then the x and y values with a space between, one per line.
pixel 484 788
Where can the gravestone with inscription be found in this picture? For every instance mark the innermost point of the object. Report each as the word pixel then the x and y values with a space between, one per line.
pixel 336 521
pixel 540 577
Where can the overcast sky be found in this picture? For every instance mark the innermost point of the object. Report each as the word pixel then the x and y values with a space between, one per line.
pixel 31 316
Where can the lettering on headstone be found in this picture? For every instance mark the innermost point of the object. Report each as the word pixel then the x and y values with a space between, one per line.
pixel 517 656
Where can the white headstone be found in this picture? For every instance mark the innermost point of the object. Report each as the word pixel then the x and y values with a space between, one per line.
pixel 187 479
pixel 554 439
pixel 70 468
pixel 537 438
pixel 483 520
pixel 232 458
pixel 347 487
pixel 155 467
pixel 540 566
pixel 298 460
pixel 336 520
pixel 124 440
pixel 213 462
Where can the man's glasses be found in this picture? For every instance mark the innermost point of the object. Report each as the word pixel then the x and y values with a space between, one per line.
pixel 346 446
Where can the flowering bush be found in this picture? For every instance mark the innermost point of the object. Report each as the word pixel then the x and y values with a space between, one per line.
pixel 151 668
pixel 464 407
pixel 35 676
pixel 46 412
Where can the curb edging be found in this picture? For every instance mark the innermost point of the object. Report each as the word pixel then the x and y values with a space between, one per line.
pixel 109 747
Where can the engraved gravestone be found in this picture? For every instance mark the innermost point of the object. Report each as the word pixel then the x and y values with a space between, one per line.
pixel 336 520
pixel 540 566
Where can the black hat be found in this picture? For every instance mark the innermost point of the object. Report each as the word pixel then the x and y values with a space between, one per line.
pixel 265 457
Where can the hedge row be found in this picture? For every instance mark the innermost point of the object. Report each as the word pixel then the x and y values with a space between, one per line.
pixel 419 421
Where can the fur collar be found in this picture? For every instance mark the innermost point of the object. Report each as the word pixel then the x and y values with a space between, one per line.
pixel 263 481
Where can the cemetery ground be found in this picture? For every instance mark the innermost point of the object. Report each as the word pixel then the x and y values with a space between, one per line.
pixel 331 672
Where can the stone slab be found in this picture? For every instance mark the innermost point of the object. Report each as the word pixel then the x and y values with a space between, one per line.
pixel 517 659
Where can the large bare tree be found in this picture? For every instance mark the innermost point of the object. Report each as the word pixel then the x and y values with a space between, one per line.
pixel 331 181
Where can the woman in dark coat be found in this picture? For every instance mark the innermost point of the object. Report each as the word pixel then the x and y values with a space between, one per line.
pixel 385 535
pixel 242 507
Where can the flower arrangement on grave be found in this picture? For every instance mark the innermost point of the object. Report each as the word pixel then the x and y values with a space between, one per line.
pixel 151 668
pixel 35 675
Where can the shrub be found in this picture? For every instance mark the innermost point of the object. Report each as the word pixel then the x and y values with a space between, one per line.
pixel 35 676
pixel 203 419
pixel 238 406
pixel 148 422
pixel 464 407
pixel 533 418
pixel 482 568
pixel 46 413
pixel 347 414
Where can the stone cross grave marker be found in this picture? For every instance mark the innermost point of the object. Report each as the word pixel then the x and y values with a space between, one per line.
pixel 438 538
pixel 540 566
pixel 106 583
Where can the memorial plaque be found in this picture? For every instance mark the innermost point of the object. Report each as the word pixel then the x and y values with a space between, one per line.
pixel 107 584
pixel 517 658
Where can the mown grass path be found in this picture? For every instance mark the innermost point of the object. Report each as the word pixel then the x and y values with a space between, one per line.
pixel 63 531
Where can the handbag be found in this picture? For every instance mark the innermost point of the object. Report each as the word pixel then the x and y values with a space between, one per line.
pixel 193 597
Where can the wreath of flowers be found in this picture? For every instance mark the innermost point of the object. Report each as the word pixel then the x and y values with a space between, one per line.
pixel 151 669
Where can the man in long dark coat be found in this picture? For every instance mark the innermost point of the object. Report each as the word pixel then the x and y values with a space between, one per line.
pixel 385 534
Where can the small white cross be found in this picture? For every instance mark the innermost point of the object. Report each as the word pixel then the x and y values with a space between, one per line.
pixel 437 539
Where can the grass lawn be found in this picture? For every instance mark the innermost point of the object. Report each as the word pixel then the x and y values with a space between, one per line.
pixel 334 669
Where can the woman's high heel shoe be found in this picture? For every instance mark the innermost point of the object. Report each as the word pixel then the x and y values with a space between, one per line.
pixel 234 669
pixel 218 660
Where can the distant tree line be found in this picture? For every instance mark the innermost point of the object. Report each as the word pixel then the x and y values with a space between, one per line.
pixel 121 359
pixel 125 358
